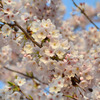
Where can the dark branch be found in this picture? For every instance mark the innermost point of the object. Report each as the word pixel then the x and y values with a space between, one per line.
pixel 33 77
pixel 1 4
pixel 27 35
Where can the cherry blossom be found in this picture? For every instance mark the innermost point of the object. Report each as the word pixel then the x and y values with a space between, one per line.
pixel 20 81
pixel 43 57
pixel 6 30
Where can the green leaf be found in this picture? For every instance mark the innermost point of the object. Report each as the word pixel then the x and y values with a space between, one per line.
pixel 31 97
pixel 27 73
pixel 11 84
pixel 16 88
pixel 16 77
pixel 69 96
pixel 31 74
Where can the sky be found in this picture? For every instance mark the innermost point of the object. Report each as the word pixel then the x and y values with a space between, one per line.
pixel 69 4
pixel 1 85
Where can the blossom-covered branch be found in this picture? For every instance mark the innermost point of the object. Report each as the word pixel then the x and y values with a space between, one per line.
pixel 27 35
pixel 48 60
pixel 32 77
pixel 83 12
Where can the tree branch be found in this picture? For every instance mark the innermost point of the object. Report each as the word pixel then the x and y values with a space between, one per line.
pixel 1 4
pixel 25 75
pixel 27 35
pixel 25 94
pixel 82 11
pixel 70 97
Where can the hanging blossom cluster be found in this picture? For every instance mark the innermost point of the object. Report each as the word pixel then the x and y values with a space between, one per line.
pixel 43 57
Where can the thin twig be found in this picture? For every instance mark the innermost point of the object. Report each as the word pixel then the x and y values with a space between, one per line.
pixel 25 75
pixel 27 35
pixel 70 97
pixel 82 11
pixel 25 94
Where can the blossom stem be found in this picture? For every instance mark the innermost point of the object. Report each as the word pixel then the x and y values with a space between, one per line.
pixel 70 97
pixel 27 35
pixel 24 94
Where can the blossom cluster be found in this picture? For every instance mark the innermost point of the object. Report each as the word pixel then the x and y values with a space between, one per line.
pixel 43 57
